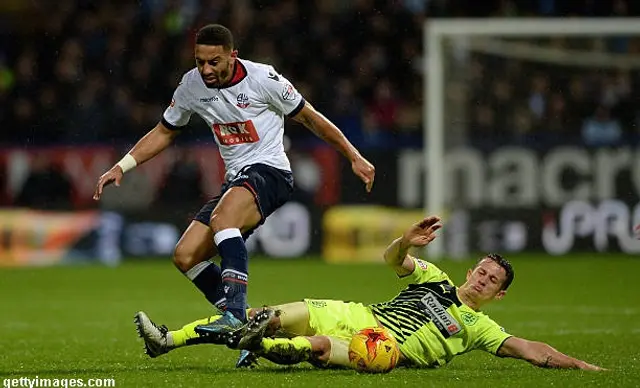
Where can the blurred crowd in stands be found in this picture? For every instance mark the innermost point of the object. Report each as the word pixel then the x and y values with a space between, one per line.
pixel 86 72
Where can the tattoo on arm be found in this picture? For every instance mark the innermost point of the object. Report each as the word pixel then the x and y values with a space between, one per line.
pixel 308 122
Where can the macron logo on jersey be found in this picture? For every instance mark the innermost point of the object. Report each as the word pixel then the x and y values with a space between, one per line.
pixel 236 133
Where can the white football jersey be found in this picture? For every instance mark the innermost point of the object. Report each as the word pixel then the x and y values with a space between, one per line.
pixel 246 116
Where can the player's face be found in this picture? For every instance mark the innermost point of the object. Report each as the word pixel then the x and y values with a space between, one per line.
pixel 485 280
pixel 215 64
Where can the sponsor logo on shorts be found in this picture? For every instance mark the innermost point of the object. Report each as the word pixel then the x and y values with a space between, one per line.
pixel 318 303
pixel 447 324
pixel 236 133
pixel 240 177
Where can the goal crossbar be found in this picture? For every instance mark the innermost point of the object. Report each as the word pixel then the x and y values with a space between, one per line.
pixel 534 26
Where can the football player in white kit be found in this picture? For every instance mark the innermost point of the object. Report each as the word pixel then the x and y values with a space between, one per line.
pixel 245 104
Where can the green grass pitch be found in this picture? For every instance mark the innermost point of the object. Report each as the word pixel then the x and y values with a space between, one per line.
pixel 77 322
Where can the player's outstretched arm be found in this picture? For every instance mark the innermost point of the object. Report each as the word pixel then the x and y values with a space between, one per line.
pixel 156 140
pixel 418 235
pixel 327 131
pixel 542 355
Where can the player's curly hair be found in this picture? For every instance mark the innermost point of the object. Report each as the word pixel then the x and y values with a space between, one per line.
pixel 215 35
pixel 505 264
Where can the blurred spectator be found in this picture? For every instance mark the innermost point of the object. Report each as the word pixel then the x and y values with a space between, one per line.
pixel 346 108
pixel 26 70
pixel 49 127
pixel 522 123
pixel 384 106
pixel 24 119
pixel 537 98
pixel 601 129
pixel 86 119
pixel 88 71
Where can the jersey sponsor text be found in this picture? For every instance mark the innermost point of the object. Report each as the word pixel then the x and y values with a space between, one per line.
pixel 236 133
pixel 447 324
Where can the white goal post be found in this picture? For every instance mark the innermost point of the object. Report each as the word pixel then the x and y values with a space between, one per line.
pixel 435 33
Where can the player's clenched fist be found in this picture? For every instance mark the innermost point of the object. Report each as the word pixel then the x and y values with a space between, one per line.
pixel 113 175
pixel 364 170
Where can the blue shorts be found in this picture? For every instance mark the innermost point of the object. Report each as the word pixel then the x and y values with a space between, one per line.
pixel 270 186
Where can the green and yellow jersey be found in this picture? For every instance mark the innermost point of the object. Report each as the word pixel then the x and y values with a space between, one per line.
pixel 430 323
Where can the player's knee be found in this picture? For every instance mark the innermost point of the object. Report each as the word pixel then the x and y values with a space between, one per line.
pixel 320 348
pixel 184 258
pixel 237 209
pixel 240 220
pixel 223 220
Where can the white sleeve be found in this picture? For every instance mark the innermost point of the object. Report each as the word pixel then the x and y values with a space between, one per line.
pixel 178 113
pixel 282 95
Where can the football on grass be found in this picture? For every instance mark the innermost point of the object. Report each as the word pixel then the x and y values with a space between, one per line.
pixel 373 350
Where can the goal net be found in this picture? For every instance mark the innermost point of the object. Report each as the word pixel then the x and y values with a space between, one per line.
pixel 530 128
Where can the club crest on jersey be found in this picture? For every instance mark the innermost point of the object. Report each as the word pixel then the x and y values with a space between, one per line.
pixel 289 92
pixel 236 133
pixel 243 101
pixel 469 319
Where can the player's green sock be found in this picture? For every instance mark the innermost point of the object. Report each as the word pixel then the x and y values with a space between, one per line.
pixel 286 351
pixel 187 335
